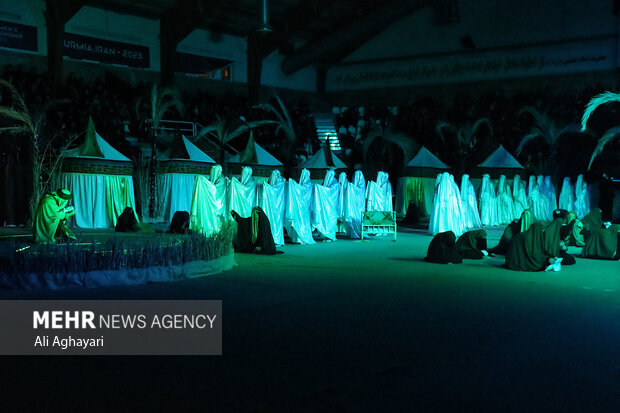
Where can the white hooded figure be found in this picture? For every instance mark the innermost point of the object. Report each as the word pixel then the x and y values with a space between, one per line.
pixel 221 189
pixel 536 201
pixel 379 194
pixel 242 193
pixel 519 197
pixel 470 204
pixel 488 202
pixel 207 210
pixel 447 214
pixel 505 203
pixel 567 195
pixel 540 180
pixel 272 198
pixel 457 207
pixel 297 216
pixel 354 205
pixel 325 206
pixel 549 190
pixel 343 182
pixel 582 197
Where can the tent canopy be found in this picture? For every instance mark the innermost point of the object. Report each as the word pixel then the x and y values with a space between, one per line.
pixel 501 158
pixel 426 159
pixel 184 150
pixel 254 154
pixel 321 160
pixel 84 151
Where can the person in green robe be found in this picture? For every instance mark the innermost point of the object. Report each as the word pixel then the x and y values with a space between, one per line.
pixel 516 226
pixel 50 219
pixel 602 243
pixel 472 244
pixel 526 251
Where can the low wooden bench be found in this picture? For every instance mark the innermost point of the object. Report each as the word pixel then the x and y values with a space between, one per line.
pixel 378 222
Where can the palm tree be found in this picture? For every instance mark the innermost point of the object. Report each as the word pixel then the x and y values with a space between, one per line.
pixel 284 124
pixel 465 136
pixel 610 134
pixel 387 137
pixel 225 131
pixel 545 131
pixel 45 160
pixel 161 99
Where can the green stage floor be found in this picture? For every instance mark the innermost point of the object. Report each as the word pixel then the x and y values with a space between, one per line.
pixel 354 326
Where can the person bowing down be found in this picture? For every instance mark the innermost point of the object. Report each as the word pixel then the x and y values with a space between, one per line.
pixel 50 219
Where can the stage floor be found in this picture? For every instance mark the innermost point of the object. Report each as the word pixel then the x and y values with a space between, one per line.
pixel 364 326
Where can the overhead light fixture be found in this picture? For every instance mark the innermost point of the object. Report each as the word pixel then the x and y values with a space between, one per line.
pixel 264 26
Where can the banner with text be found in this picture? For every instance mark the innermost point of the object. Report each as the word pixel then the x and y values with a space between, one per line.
pixel 105 51
pixel 18 36
pixel 111 327
pixel 535 61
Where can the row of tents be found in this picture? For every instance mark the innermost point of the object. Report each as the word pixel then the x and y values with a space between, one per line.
pixel 101 178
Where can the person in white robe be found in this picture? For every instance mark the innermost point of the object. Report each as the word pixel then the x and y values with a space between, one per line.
pixel 354 205
pixel 548 212
pixel 519 197
pixel 538 204
pixel 343 182
pixel 505 203
pixel 457 207
pixel 379 194
pixel 488 202
pixel 470 204
pixel 272 200
pixel 297 217
pixel 221 186
pixel 549 189
pixel 447 214
pixel 242 193
pixel 207 211
pixel 567 195
pixel 582 197
pixel 325 206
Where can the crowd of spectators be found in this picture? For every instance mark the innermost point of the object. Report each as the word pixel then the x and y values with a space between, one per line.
pixel 112 104
pixel 418 119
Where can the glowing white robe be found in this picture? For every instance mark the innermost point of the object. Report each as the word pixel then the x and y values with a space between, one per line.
pixel 567 195
pixel 354 205
pixel 488 202
pixel 272 199
pixel 519 197
pixel 505 204
pixel 471 216
pixel 537 203
pixel 297 216
pixel 325 206
pixel 582 197
pixel 379 194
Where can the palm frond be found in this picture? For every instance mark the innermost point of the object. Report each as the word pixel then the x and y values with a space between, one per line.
pixel 539 118
pixel 533 134
pixel 440 126
pixel 594 103
pixel 16 115
pixel 15 94
pixel 471 130
pixel 16 130
pixel 608 136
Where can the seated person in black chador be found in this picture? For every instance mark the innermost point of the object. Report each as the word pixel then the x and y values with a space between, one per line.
pixel 254 233
pixel 472 244
pixel 526 250
pixel 516 226
pixel 601 239
pixel 442 249
pixel 555 245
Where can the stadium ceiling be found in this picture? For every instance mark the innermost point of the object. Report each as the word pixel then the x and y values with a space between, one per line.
pixel 300 19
